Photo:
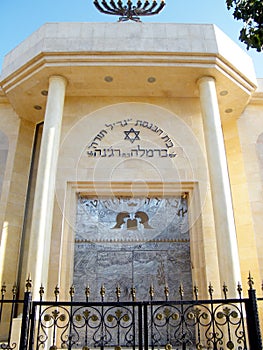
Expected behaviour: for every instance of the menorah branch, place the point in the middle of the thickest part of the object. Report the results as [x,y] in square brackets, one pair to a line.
[127,10]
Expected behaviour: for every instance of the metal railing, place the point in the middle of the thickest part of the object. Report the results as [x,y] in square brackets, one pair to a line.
[168,324]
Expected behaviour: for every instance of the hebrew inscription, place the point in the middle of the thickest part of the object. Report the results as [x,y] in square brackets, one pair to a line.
[135,152]
[113,219]
[132,132]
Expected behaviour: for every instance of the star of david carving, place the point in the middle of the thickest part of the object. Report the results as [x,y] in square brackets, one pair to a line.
[132,135]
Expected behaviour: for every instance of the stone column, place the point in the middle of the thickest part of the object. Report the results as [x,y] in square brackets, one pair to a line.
[41,227]
[227,249]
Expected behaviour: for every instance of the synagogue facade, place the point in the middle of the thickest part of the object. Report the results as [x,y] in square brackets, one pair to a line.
[131,154]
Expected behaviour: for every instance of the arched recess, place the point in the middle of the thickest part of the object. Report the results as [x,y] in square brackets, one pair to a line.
[4,145]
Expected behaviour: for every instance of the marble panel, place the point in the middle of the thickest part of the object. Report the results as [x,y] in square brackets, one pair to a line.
[112,250]
[131,219]
[85,262]
[114,269]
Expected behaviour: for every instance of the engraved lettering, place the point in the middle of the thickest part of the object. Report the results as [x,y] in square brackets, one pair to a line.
[163,152]
[138,122]
[149,153]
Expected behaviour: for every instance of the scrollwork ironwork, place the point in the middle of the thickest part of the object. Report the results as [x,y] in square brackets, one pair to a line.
[85,325]
[198,326]
[171,325]
[181,324]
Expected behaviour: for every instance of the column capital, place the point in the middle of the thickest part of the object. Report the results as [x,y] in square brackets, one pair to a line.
[60,78]
[205,79]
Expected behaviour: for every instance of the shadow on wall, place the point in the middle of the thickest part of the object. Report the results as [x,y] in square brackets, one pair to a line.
[3,157]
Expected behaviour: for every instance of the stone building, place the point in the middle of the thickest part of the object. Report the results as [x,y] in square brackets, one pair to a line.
[131,154]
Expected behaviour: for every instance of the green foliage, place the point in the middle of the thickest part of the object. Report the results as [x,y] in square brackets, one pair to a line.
[251,13]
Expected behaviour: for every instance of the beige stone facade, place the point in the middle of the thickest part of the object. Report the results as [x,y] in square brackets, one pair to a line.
[130,109]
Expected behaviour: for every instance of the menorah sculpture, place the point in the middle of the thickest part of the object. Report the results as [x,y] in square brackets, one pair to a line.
[129,11]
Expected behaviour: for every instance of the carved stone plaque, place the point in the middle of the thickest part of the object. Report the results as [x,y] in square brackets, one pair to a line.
[132,242]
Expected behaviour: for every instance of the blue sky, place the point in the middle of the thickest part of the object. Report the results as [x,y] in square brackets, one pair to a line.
[19,18]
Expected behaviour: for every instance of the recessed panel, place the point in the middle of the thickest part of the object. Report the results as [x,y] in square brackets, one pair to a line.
[132,242]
